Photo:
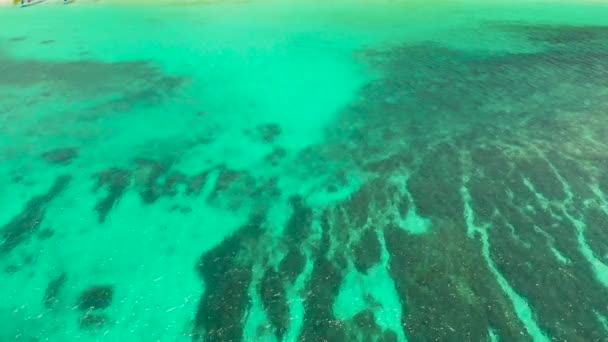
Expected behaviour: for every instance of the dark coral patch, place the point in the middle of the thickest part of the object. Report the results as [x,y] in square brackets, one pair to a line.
[446,288]
[74,77]
[389,164]
[403,206]
[597,235]
[227,277]
[267,133]
[525,236]
[11,269]
[363,327]
[116,182]
[542,177]
[557,34]
[298,225]
[53,289]
[292,264]
[367,251]
[357,206]
[46,234]
[27,222]
[274,299]
[233,188]
[435,184]
[268,189]
[96,297]
[173,181]
[365,320]
[319,320]
[60,156]
[573,173]
[147,179]
[273,284]
[389,336]
[155,179]
[323,286]
[521,264]
[275,157]
[520,144]
[226,178]
[195,183]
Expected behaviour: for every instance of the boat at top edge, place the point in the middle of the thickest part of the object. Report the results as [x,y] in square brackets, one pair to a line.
[27,3]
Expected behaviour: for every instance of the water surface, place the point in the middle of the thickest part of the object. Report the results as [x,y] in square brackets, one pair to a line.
[304,171]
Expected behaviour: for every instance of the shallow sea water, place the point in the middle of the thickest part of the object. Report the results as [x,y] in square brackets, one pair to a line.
[304,171]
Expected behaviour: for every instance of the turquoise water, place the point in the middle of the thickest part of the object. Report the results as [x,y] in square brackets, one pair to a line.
[304,171]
